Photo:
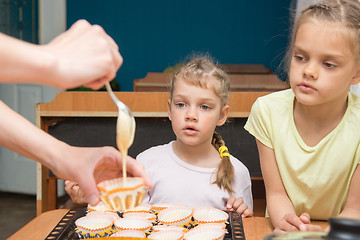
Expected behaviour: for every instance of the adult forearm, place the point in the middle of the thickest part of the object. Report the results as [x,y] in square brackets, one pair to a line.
[23,62]
[21,136]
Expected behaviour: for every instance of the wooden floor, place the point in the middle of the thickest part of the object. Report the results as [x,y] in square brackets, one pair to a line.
[16,210]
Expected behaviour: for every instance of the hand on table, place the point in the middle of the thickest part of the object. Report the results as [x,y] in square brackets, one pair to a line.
[292,223]
[238,205]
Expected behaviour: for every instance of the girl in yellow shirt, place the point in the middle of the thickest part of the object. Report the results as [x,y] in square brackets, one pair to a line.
[308,137]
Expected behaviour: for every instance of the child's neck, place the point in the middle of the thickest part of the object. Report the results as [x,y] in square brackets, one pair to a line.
[316,122]
[203,155]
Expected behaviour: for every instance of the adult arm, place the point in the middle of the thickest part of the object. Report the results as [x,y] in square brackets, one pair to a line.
[83,55]
[86,166]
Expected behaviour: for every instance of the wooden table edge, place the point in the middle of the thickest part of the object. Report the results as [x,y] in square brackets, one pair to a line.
[47,225]
[41,226]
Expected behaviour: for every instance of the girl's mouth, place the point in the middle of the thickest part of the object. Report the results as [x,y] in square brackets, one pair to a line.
[306,87]
[190,131]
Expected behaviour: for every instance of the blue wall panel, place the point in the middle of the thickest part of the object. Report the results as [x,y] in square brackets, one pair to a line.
[153,35]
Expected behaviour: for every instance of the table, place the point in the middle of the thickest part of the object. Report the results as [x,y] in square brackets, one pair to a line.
[40,227]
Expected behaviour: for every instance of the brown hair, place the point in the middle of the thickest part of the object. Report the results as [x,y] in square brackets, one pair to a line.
[346,12]
[198,71]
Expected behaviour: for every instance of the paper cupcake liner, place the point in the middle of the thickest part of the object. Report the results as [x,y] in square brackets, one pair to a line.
[210,215]
[168,235]
[140,215]
[132,224]
[208,234]
[82,235]
[161,206]
[177,216]
[119,196]
[143,207]
[99,207]
[129,234]
[96,214]
[159,228]
[212,225]
[92,227]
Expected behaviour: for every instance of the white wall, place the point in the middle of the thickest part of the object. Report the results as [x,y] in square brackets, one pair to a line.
[17,173]
[52,22]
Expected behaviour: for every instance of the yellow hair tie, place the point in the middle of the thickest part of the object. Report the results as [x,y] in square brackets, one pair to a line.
[222,149]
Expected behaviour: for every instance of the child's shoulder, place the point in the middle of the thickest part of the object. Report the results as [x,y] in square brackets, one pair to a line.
[354,99]
[287,94]
[354,104]
[274,101]
[239,167]
[154,151]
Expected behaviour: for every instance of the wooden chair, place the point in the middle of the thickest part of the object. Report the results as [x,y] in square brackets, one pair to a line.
[89,119]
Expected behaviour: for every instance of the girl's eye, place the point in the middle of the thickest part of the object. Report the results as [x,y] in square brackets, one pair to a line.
[329,65]
[180,105]
[205,107]
[299,58]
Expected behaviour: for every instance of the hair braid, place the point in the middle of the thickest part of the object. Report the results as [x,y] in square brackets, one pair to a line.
[225,170]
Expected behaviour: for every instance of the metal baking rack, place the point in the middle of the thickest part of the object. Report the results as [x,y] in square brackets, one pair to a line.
[65,229]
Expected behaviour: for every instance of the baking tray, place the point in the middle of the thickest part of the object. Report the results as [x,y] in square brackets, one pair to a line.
[65,229]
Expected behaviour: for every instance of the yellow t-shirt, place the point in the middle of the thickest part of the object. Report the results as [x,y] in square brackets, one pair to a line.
[316,178]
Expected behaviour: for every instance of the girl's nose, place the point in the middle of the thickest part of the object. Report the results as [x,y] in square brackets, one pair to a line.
[191,114]
[311,72]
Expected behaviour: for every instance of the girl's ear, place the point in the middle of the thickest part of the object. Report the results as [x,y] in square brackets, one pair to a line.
[169,109]
[356,78]
[223,115]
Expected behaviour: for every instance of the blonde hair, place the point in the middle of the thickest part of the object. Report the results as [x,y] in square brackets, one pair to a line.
[345,12]
[198,72]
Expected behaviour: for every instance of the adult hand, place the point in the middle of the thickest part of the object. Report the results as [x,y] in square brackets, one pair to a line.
[89,166]
[238,205]
[84,55]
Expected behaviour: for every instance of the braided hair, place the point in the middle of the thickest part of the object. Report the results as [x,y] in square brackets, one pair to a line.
[198,71]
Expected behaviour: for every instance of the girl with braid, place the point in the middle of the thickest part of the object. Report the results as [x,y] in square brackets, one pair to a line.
[196,169]
[308,136]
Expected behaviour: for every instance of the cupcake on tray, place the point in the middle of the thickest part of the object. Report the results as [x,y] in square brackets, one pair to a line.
[176,216]
[93,227]
[120,195]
